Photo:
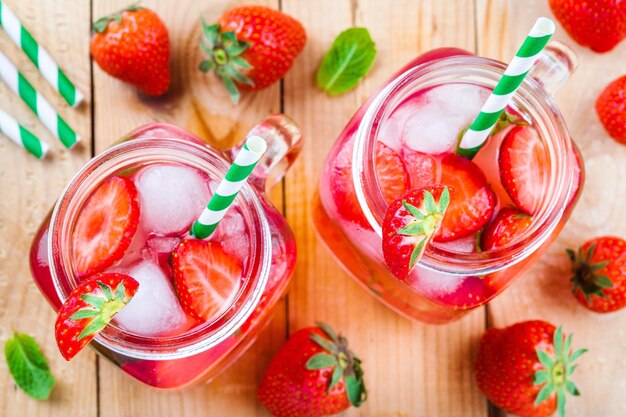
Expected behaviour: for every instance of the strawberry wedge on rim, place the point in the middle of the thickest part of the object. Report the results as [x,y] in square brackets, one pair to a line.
[409,225]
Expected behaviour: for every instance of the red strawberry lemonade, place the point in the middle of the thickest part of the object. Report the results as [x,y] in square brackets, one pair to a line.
[403,140]
[199,303]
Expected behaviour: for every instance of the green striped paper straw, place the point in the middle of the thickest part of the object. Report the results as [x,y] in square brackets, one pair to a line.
[37,103]
[22,136]
[227,190]
[474,138]
[39,56]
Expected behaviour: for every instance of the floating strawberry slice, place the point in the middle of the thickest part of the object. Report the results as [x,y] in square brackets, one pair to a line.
[509,223]
[391,173]
[105,227]
[409,224]
[421,167]
[89,308]
[206,278]
[471,199]
[523,164]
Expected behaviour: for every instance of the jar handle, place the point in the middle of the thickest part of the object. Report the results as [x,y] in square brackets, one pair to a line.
[284,142]
[554,66]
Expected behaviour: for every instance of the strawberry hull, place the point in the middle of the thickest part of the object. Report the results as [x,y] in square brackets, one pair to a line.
[419,115]
[157,356]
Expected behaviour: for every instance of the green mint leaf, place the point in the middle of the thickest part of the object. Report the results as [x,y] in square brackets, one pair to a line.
[347,61]
[321,361]
[28,366]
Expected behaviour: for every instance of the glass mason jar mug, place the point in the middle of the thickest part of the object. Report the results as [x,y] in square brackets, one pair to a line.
[166,358]
[421,111]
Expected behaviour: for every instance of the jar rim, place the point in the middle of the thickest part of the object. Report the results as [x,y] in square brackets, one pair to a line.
[530,96]
[203,157]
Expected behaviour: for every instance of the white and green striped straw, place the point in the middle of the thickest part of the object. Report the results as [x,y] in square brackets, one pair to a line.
[227,190]
[474,138]
[22,136]
[39,56]
[37,103]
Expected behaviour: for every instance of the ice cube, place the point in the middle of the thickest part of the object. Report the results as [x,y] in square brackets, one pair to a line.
[155,310]
[172,197]
[233,235]
[462,245]
[434,283]
[435,118]
[162,245]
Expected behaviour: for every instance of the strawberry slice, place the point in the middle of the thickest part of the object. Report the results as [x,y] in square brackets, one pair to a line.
[509,223]
[409,225]
[206,278]
[105,227]
[523,165]
[471,199]
[391,173]
[89,308]
[421,167]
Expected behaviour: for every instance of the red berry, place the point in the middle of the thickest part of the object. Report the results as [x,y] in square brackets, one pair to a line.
[105,226]
[507,226]
[264,46]
[598,24]
[409,225]
[471,199]
[523,165]
[134,46]
[599,267]
[89,308]
[524,369]
[314,374]
[611,109]
[206,278]
[390,172]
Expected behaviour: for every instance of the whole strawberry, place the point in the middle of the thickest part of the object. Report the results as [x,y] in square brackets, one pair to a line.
[599,267]
[611,109]
[313,374]
[133,45]
[598,24]
[525,368]
[251,47]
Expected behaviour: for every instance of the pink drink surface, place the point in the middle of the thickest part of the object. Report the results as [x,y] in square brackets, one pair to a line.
[170,198]
[423,131]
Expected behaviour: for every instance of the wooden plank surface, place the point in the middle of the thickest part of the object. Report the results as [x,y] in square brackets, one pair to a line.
[412,369]
[29,189]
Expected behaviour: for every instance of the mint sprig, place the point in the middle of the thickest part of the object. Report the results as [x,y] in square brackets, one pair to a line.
[347,61]
[28,366]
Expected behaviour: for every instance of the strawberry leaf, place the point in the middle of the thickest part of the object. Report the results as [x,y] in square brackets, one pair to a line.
[545,393]
[337,374]
[321,361]
[325,343]
[329,331]
[347,61]
[28,366]
[84,314]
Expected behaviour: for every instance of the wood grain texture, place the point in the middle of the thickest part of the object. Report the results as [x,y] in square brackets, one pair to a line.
[433,363]
[29,189]
[543,292]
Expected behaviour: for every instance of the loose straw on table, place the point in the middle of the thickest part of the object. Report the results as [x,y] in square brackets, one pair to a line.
[227,190]
[37,103]
[474,138]
[39,56]
[22,136]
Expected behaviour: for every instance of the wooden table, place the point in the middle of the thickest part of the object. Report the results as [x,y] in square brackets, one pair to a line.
[411,369]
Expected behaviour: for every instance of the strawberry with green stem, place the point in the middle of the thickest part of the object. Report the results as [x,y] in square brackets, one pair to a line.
[599,267]
[313,374]
[251,47]
[410,224]
[89,308]
[525,369]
